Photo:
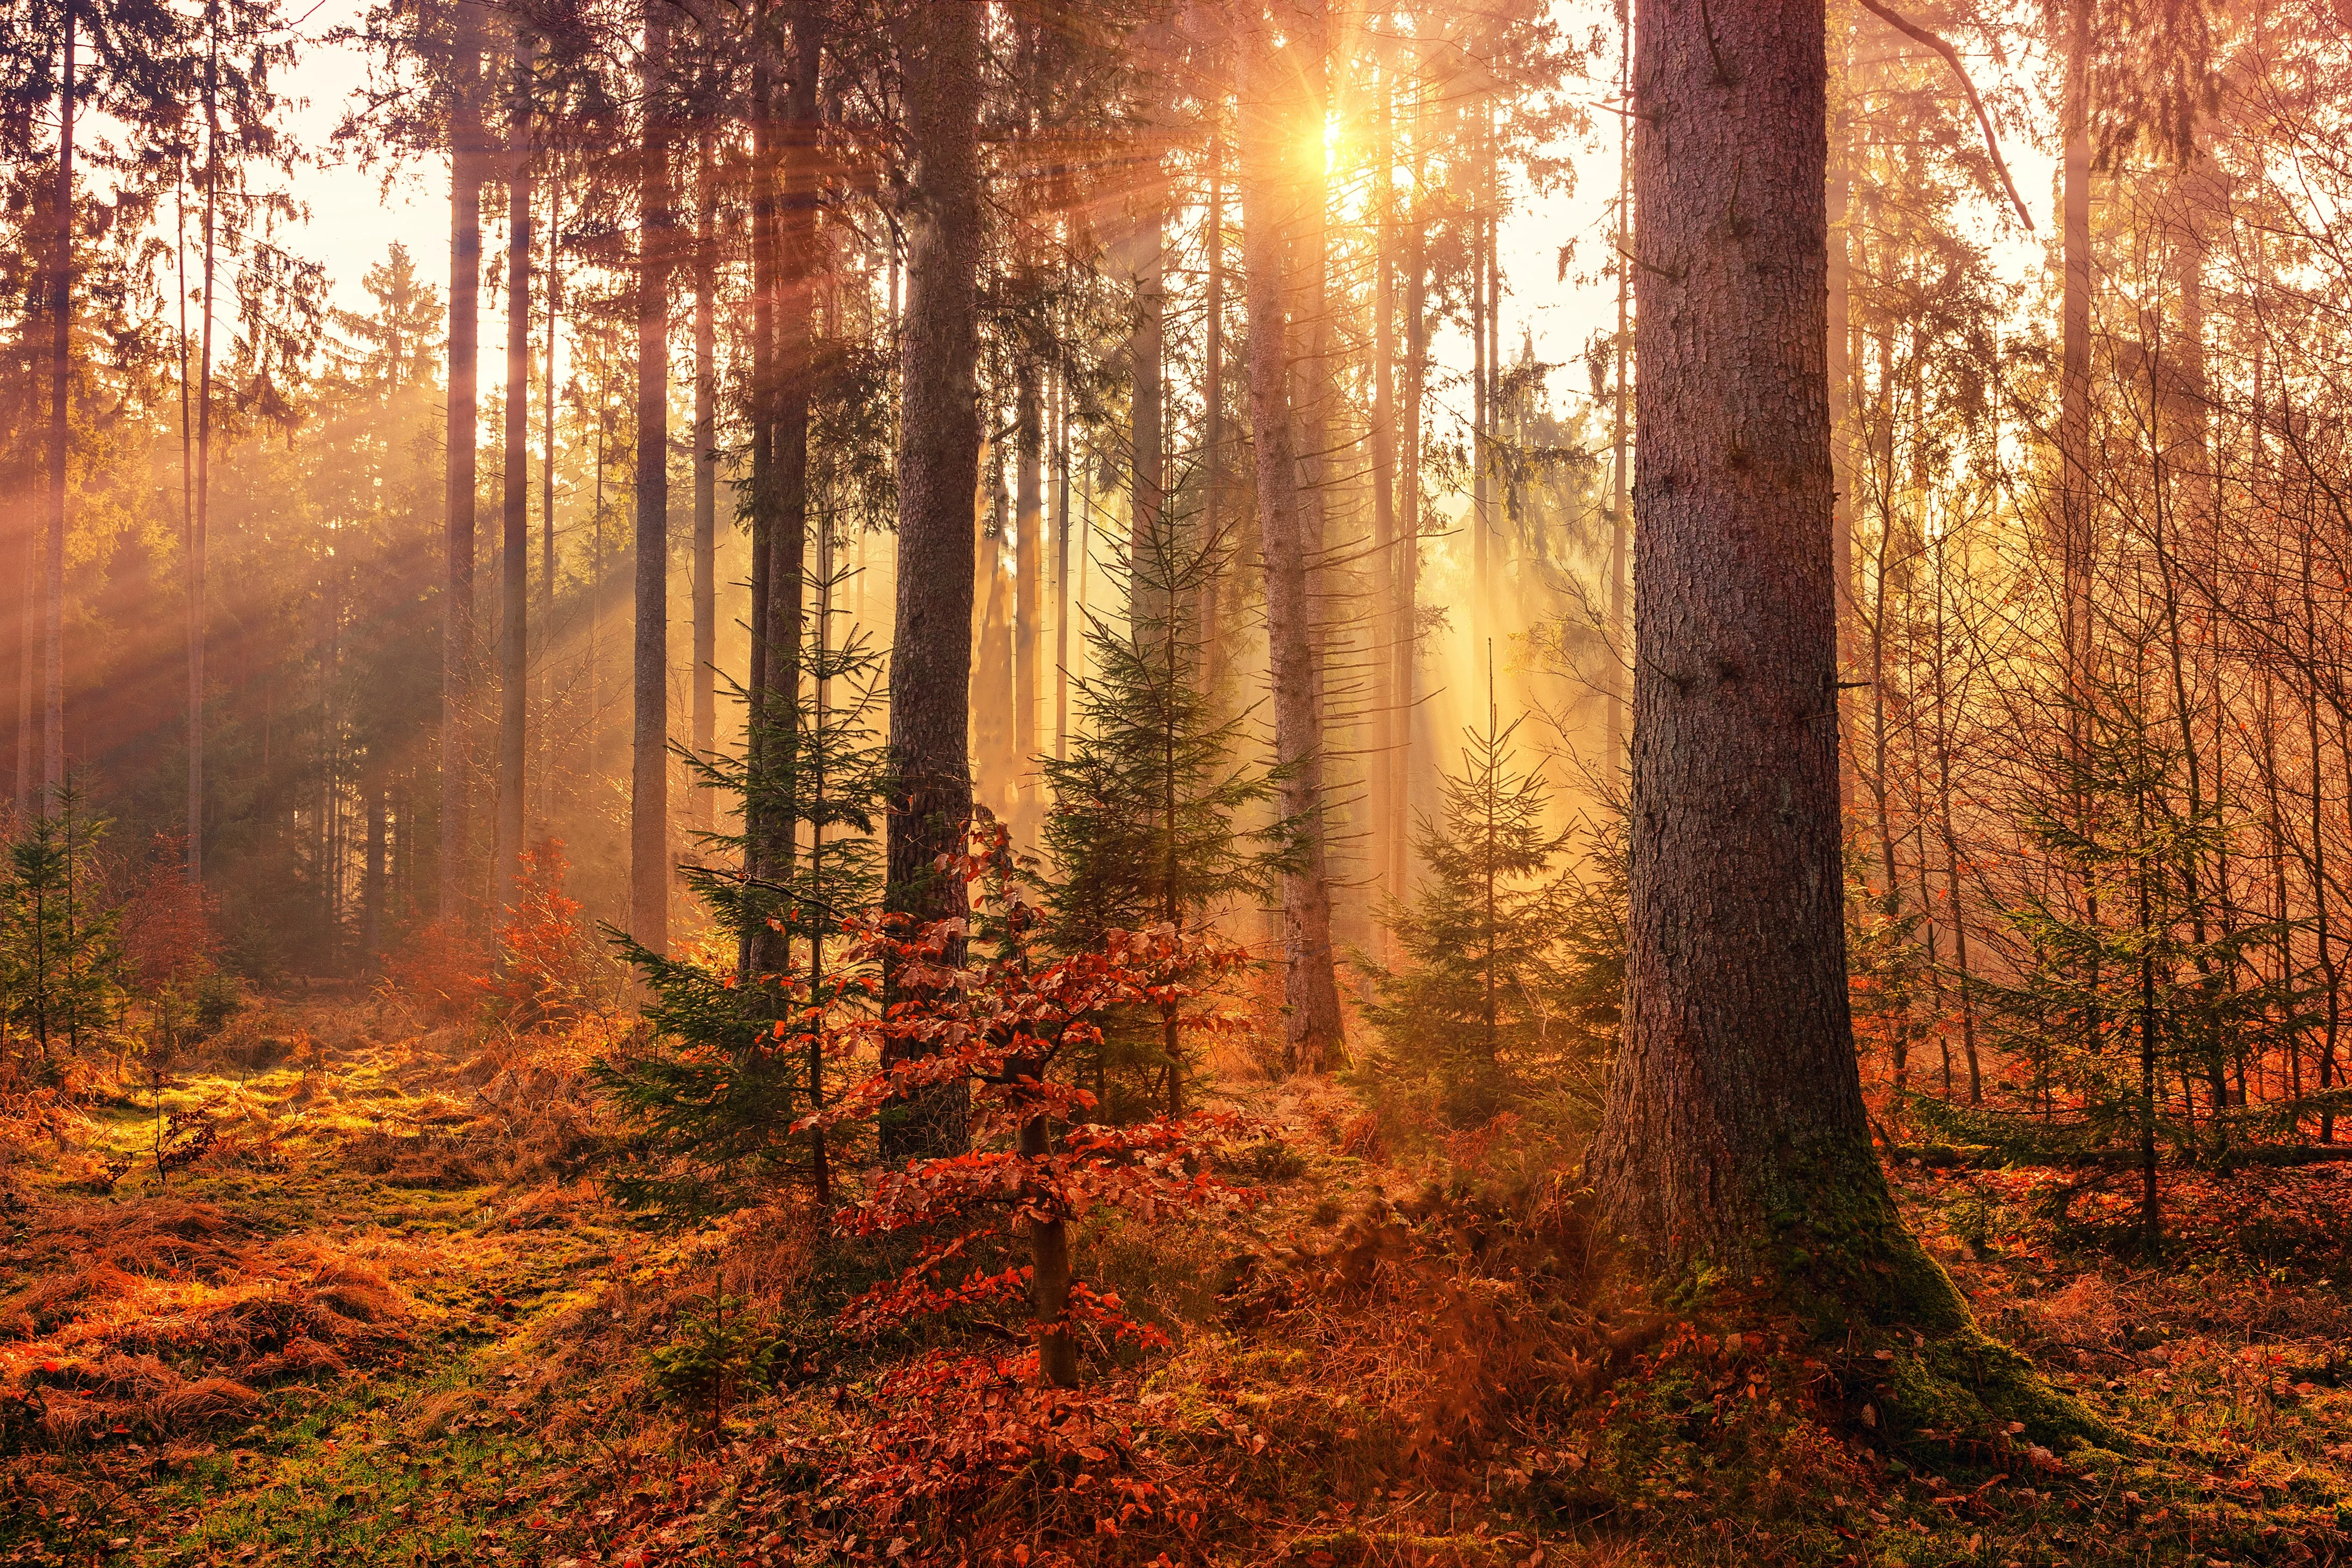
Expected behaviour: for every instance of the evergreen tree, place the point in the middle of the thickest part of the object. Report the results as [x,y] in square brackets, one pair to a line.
[1511,965]
[734,1062]
[1144,829]
[2128,976]
[61,959]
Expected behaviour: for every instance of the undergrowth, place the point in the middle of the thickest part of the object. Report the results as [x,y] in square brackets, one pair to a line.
[386,1315]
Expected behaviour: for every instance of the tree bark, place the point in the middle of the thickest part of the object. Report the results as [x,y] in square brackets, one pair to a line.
[939,472]
[1736,1101]
[466,158]
[514,555]
[650,858]
[1271,215]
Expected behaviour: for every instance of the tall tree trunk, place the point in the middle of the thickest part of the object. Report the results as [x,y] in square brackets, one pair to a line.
[786,501]
[1213,401]
[61,272]
[466,159]
[1275,209]
[514,630]
[1061,568]
[939,471]
[754,955]
[649,857]
[547,498]
[1736,1101]
[1408,607]
[2075,497]
[705,683]
[1028,521]
[1619,517]
[1394,715]
[199,518]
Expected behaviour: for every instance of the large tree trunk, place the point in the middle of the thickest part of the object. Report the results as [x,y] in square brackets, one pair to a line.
[939,471]
[515,544]
[466,157]
[1271,214]
[1735,1114]
[650,858]
[60,358]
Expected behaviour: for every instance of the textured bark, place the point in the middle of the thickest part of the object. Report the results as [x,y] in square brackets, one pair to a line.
[649,857]
[1736,1100]
[939,472]
[515,540]
[466,159]
[1271,215]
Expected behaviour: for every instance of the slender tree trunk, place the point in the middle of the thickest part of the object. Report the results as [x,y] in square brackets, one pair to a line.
[1621,404]
[1061,568]
[199,520]
[650,858]
[466,158]
[704,684]
[939,471]
[1408,605]
[1274,211]
[754,956]
[1028,521]
[61,274]
[1736,1101]
[1213,401]
[547,500]
[787,500]
[1394,715]
[2075,497]
[514,647]
[372,932]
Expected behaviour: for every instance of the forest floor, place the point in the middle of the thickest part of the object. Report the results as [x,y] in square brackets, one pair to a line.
[376,1309]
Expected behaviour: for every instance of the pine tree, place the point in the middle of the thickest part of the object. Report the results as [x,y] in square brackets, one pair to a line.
[60,960]
[733,1061]
[2127,975]
[1143,829]
[1509,970]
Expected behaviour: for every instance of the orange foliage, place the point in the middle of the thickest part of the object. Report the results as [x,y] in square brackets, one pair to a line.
[167,930]
[546,967]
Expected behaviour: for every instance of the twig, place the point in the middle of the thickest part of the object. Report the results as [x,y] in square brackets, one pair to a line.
[1911,29]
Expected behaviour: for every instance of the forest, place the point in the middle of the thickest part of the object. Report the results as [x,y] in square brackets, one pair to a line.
[1483,782]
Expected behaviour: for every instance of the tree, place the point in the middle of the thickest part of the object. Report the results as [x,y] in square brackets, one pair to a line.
[1488,999]
[1276,216]
[1142,828]
[1733,1145]
[649,847]
[468,166]
[939,471]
